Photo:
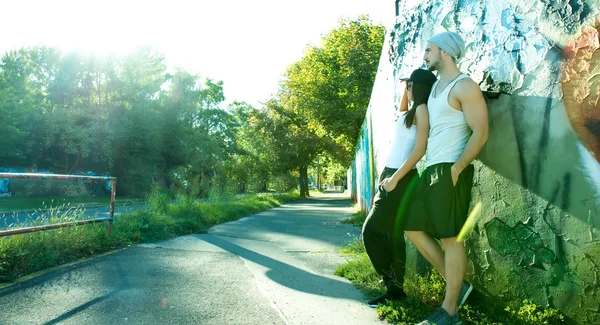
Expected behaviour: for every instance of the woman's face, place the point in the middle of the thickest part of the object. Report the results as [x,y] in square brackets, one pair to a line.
[409,86]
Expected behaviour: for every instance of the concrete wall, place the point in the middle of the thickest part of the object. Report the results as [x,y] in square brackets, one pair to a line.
[538,177]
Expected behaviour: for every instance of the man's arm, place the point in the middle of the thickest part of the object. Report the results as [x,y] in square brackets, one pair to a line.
[476,113]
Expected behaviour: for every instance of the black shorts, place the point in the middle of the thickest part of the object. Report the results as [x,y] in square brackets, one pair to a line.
[438,207]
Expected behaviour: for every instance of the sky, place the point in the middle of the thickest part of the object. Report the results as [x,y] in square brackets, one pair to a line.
[246,44]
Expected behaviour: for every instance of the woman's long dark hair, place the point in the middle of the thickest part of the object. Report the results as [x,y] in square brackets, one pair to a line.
[420,96]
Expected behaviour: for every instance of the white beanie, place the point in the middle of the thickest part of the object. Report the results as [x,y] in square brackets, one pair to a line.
[450,42]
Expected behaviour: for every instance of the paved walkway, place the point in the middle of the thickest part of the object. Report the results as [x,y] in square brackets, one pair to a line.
[274,267]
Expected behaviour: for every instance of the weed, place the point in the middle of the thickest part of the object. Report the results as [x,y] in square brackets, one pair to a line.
[426,293]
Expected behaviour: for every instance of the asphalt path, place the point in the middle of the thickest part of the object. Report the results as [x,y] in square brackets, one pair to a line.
[274,267]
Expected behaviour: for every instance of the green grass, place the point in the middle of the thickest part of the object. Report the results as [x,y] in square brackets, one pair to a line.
[425,294]
[353,249]
[36,203]
[357,218]
[28,253]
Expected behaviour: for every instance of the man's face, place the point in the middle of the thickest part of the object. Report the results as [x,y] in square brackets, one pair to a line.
[432,57]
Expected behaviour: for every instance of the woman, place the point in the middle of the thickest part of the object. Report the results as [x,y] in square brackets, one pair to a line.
[383,232]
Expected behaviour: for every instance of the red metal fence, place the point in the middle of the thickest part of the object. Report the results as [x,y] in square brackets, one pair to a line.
[113,184]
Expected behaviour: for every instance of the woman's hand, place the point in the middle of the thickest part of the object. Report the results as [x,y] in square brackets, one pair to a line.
[388,184]
[454,172]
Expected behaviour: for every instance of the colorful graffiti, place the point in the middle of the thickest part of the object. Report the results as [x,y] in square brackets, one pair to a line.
[580,83]
[363,170]
[538,177]
[377,131]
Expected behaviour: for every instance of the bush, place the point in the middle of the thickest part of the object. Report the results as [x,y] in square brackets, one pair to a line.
[158,200]
[283,183]
[221,193]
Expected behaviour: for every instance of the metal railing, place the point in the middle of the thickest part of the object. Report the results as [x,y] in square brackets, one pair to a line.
[113,185]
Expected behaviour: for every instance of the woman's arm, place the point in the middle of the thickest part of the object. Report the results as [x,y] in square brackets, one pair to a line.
[404,101]
[416,154]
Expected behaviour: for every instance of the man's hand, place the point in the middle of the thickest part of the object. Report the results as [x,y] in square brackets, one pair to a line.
[455,172]
[388,184]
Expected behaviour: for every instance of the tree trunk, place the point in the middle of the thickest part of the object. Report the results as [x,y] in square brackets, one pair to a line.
[318,173]
[304,181]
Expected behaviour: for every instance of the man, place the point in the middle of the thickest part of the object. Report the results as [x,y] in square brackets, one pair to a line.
[458,130]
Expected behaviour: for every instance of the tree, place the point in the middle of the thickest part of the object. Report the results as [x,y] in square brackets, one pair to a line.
[252,165]
[331,85]
[294,145]
[73,112]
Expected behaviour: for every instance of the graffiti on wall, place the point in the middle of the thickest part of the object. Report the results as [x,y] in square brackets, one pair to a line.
[539,181]
[376,134]
[580,83]
[364,170]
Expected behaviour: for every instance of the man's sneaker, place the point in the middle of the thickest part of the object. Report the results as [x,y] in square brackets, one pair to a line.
[465,291]
[441,317]
[386,296]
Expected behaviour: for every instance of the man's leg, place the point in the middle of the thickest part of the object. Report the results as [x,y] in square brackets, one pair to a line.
[456,266]
[429,248]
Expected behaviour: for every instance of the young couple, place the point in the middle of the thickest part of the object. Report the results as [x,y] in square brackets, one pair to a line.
[448,122]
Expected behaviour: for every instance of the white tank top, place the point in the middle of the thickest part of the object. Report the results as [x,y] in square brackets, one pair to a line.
[448,128]
[403,143]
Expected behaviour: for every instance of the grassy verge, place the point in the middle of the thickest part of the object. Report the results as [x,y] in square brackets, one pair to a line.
[357,218]
[425,294]
[35,203]
[28,253]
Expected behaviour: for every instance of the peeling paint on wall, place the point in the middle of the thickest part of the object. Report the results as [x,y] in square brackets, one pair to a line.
[538,176]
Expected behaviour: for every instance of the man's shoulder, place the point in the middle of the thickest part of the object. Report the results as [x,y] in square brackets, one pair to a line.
[466,80]
[466,85]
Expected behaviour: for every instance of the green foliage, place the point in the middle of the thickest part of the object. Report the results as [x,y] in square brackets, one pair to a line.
[355,248]
[68,112]
[28,253]
[45,188]
[426,293]
[330,87]
[359,270]
[530,313]
[320,107]
[284,182]
[158,200]
[45,203]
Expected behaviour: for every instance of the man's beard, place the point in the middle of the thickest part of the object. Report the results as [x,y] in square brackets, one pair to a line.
[433,66]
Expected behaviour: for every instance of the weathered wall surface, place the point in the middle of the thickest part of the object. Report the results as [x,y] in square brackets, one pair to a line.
[538,177]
